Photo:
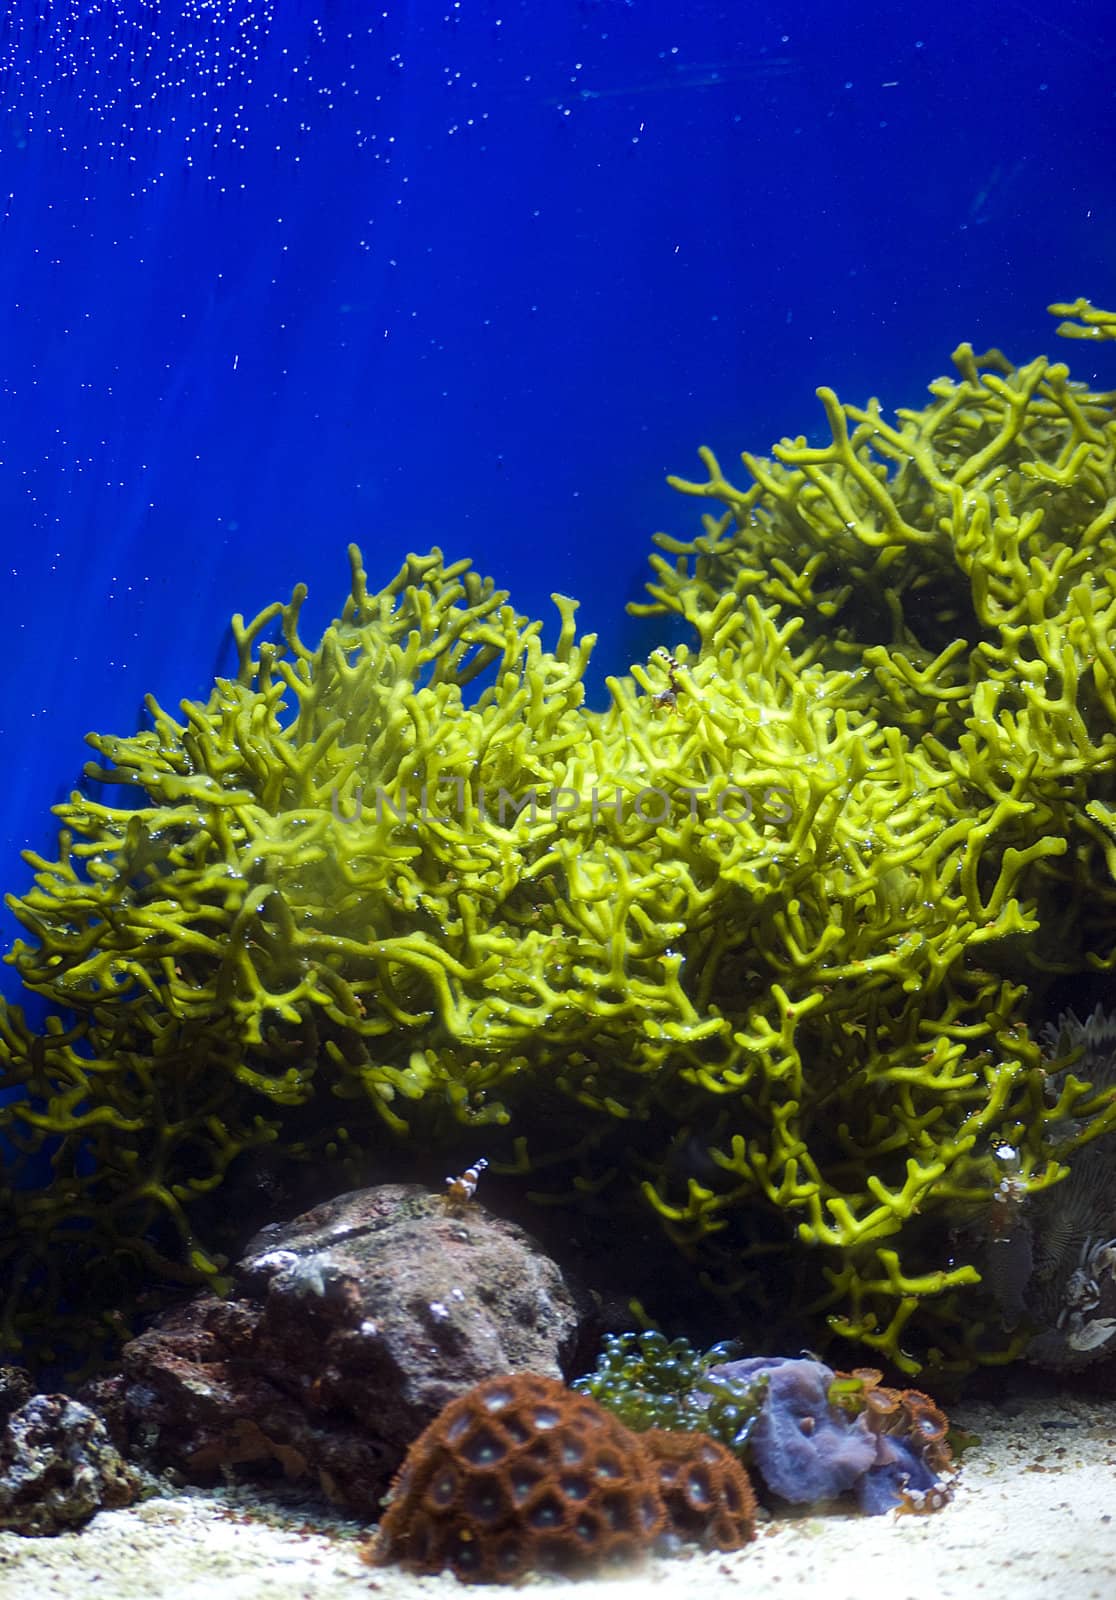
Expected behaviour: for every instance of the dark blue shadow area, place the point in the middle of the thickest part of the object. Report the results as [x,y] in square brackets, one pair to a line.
[478,275]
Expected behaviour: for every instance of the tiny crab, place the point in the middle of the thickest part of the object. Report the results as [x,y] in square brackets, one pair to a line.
[924,1502]
[465,1187]
[1083,1293]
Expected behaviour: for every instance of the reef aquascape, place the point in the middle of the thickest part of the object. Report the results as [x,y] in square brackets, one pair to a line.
[761,950]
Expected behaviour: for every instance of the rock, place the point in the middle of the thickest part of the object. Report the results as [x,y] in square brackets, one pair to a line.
[194,1397]
[15,1389]
[58,1466]
[349,1329]
[1062,1246]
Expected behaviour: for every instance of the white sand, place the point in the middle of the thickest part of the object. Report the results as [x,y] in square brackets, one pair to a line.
[1034,1516]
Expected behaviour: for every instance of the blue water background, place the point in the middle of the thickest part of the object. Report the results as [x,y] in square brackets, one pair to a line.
[278,276]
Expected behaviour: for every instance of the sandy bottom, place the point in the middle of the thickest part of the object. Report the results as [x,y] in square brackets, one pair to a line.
[1033,1516]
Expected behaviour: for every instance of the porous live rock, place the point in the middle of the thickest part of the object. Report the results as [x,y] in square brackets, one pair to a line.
[347,1332]
[58,1466]
[15,1389]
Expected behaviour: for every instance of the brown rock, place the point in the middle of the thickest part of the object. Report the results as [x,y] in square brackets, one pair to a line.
[351,1328]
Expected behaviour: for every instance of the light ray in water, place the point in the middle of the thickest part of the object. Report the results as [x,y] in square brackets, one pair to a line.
[689,75]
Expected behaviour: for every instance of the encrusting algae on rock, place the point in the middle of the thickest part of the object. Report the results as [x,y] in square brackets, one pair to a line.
[762,950]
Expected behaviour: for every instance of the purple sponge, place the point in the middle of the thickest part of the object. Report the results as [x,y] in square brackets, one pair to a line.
[804,1448]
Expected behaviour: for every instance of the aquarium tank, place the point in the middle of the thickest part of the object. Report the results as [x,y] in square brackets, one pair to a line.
[560,562]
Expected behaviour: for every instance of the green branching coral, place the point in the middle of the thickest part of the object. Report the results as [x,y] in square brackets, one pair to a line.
[959,563]
[1084,321]
[273,917]
[753,952]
